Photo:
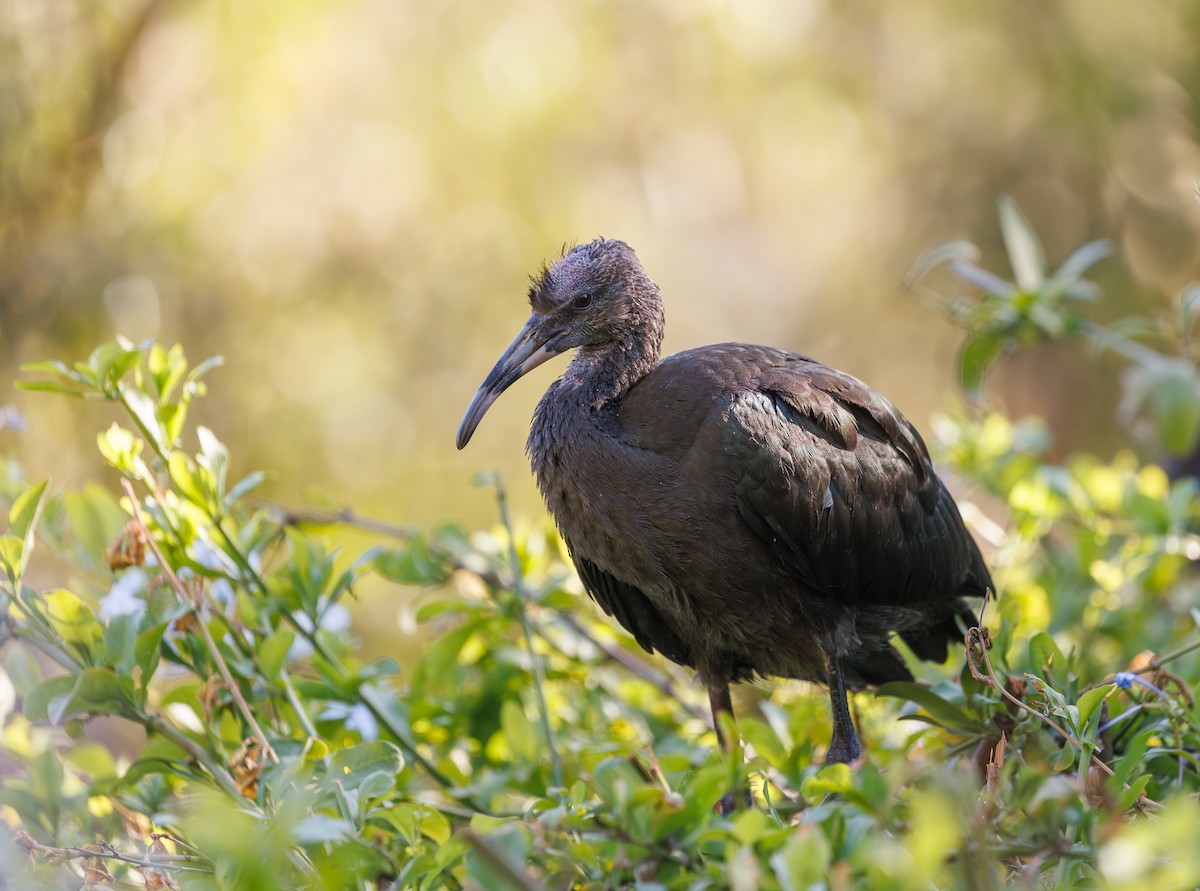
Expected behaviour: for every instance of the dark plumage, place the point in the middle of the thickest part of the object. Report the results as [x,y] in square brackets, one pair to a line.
[740,509]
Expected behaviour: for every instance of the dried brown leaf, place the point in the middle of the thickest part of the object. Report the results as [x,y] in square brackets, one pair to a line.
[129,549]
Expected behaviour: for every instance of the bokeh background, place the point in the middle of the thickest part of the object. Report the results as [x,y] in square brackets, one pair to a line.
[345,200]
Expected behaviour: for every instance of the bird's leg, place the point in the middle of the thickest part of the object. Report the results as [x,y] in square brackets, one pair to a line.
[843,748]
[722,704]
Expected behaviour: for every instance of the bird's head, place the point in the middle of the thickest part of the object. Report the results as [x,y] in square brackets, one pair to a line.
[595,297]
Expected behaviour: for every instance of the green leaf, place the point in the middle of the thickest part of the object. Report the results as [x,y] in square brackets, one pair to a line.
[172,415]
[37,700]
[1044,652]
[947,713]
[616,780]
[53,387]
[94,759]
[22,669]
[144,413]
[750,825]
[188,480]
[506,846]
[94,519]
[243,487]
[99,691]
[832,779]
[22,519]
[148,649]
[320,828]
[12,558]
[352,765]
[1175,406]
[410,564]
[121,449]
[120,643]
[122,363]
[803,862]
[51,366]
[1128,797]
[1080,260]
[1024,249]
[273,651]
[73,620]
[167,368]
[524,741]
[1089,703]
[204,367]
[1062,759]
[979,352]
[1131,758]
[214,457]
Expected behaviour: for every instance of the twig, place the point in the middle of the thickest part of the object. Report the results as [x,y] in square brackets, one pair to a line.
[181,589]
[659,680]
[216,770]
[174,862]
[539,678]
[499,863]
[978,637]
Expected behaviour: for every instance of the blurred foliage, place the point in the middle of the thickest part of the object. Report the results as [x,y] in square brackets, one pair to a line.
[345,198]
[339,197]
[532,746]
[1161,381]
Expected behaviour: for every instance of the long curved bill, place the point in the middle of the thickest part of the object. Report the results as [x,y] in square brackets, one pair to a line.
[522,355]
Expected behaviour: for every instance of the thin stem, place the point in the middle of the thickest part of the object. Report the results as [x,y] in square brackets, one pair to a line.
[977,637]
[498,862]
[217,771]
[55,653]
[231,685]
[661,680]
[297,706]
[539,679]
[172,862]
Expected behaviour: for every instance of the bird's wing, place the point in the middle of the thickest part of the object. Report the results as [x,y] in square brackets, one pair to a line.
[637,615]
[841,487]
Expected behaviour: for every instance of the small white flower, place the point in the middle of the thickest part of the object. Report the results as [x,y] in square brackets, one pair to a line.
[334,619]
[124,597]
[355,717]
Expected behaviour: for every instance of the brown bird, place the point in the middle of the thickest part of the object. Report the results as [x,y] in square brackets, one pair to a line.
[741,510]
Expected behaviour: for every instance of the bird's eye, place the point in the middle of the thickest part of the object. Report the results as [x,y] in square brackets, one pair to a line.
[584,300]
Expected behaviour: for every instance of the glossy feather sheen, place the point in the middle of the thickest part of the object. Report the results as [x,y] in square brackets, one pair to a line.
[739,509]
[745,510]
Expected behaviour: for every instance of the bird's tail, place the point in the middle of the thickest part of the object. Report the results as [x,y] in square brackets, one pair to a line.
[931,642]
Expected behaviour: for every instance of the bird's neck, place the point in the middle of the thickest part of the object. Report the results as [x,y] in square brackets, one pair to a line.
[600,377]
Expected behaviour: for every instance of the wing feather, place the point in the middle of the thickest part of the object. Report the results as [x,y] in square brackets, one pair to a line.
[842,488]
[634,611]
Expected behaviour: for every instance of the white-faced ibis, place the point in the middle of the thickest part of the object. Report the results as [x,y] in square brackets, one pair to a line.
[740,509]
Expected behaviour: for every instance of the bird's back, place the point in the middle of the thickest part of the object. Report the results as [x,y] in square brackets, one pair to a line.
[815,486]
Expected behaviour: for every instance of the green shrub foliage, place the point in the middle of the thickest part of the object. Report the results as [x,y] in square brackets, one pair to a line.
[532,745]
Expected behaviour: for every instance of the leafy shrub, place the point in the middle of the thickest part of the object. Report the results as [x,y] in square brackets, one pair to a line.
[532,745]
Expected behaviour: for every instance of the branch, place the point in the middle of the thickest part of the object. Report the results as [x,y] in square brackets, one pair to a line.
[174,862]
[660,680]
[498,862]
[539,678]
[231,685]
[978,638]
